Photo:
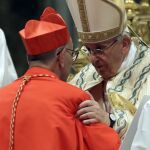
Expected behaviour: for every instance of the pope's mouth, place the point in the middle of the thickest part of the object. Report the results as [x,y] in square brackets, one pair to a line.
[100,67]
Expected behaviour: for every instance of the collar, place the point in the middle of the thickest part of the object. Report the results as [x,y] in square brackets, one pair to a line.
[39,70]
[128,61]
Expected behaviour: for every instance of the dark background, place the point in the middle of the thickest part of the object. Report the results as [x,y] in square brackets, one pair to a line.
[13,16]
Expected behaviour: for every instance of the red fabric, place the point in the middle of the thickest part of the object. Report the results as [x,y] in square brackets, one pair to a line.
[46,119]
[46,34]
[50,15]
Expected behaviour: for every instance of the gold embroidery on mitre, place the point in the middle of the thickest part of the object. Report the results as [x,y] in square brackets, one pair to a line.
[119,102]
[83,15]
[89,37]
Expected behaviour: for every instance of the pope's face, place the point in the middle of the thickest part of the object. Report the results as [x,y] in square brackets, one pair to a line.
[107,57]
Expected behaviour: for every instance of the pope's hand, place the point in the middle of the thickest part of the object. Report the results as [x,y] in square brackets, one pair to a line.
[90,112]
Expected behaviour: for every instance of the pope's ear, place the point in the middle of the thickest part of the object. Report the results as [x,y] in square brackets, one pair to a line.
[126,42]
[60,58]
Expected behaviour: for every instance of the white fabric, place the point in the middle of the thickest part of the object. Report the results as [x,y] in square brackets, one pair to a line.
[7,70]
[141,140]
[135,129]
[128,61]
[102,15]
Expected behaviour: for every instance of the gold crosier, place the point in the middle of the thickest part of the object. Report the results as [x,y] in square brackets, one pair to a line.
[26,79]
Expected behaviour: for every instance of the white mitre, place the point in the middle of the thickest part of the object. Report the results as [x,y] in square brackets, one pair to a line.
[98,20]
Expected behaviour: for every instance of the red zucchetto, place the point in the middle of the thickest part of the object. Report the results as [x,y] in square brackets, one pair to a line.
[45,35]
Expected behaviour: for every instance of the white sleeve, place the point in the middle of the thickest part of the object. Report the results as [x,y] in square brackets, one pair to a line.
[141,139]
[7,70]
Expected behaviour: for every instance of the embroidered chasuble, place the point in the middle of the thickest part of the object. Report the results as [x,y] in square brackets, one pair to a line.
[125,90]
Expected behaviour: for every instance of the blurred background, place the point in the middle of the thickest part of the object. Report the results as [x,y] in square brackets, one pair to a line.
[15,13]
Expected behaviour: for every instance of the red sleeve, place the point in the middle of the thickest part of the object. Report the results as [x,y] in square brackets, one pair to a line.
[97,137]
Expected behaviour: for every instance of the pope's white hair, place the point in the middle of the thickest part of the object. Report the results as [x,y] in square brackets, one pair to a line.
[126,32]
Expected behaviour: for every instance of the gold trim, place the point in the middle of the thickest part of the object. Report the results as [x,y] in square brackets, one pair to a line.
[119,102]
[88,37]
[83,15]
